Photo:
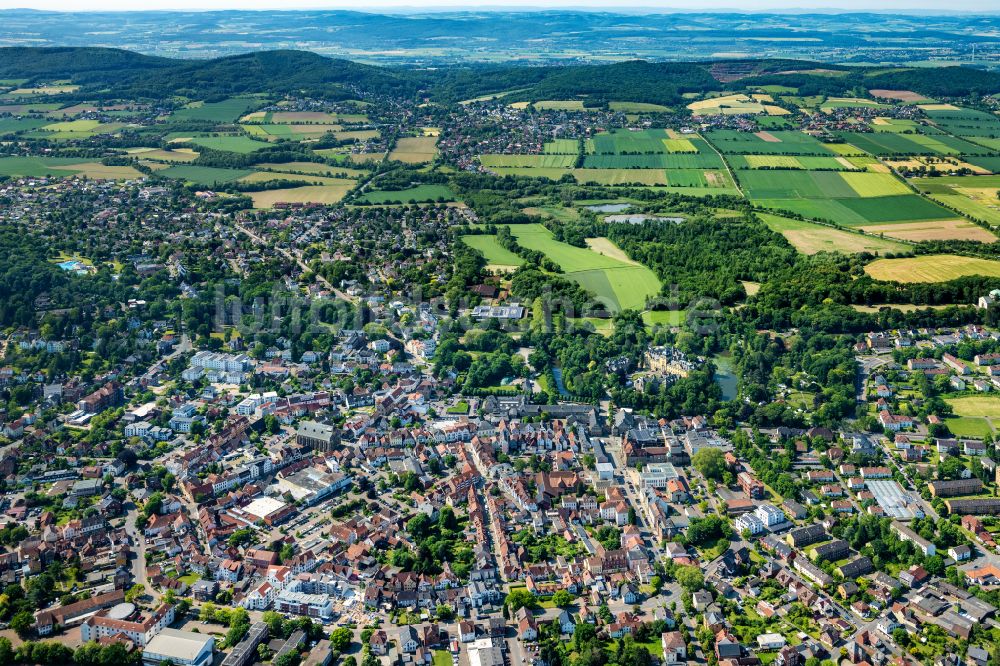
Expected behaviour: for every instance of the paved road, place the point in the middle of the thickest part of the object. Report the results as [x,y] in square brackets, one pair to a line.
[139,540]
[292,257]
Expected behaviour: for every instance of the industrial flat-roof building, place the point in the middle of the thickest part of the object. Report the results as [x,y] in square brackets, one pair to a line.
[183,648]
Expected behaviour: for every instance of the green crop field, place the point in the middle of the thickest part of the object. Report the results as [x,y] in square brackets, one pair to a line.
[888,144]
[35,167]
[931,268]
[804,162]
[969,426]
[627,141]
[974,196]
[418,194]
[231,144]
[965,122]
[680,146]
[528,161]
[654,161]
[226,111]
[638,107]
[809,238]
[778,142]
[621,176]
[618,283]
[495,254]
[559,105]
[796,185]
[816,209]
[903,208]
[561,147]
[202,175]
[992,163]
[14,125]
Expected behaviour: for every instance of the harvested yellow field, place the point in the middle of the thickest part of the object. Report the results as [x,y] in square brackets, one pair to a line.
[762,97]
[900,95]
[715,179]
[268,176]
[559,105]
[773,110]
[874,184]
[45,90]
[938,107]
[845,149]
[728,104]
[414,149]
[932,231]
[302,117]
[319,194]
[179,155]
[98,171]
[679,146]
[605,246]
[773,162]
[931,268]
[362,158]
[356,135]
[311,167]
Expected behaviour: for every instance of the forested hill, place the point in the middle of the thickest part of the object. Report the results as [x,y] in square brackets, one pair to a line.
[110,72]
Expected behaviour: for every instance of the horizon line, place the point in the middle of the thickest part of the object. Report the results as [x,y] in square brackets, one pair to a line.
[391,9]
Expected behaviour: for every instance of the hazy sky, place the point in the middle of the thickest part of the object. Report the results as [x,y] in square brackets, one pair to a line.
[410,5]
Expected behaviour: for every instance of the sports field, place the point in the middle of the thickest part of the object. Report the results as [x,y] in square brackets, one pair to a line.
[976,405]
[810,238]
[931,268]
[616,283]
[969,426]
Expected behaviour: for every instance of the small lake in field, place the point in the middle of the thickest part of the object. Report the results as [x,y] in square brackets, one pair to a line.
[639,218]
[609,208]
[725,376]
